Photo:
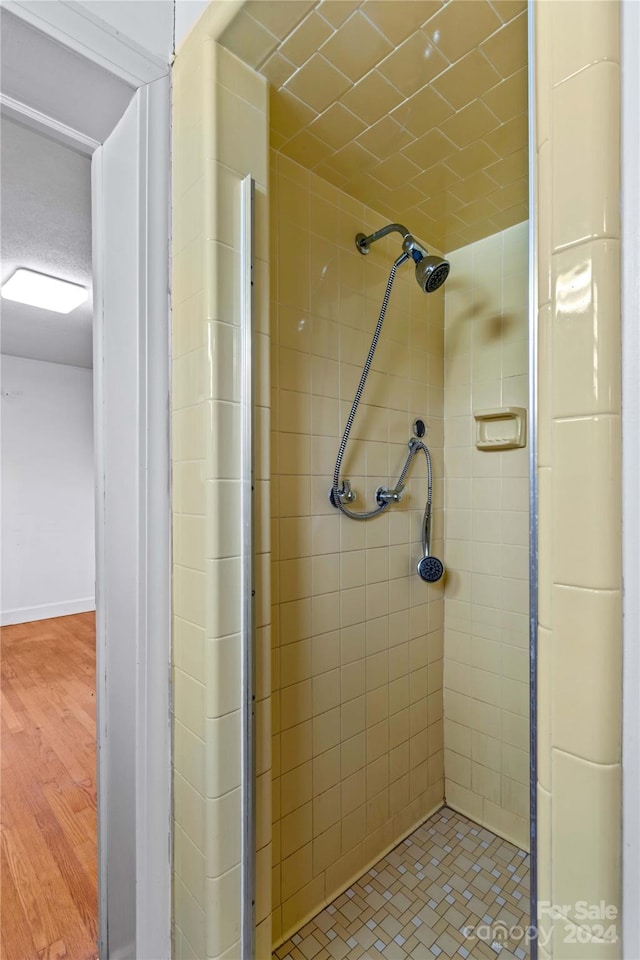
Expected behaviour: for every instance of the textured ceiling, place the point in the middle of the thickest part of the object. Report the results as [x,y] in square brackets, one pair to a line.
[46,226]
[416,107]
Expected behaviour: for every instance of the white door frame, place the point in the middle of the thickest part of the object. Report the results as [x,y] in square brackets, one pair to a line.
[130,192]
[133,506]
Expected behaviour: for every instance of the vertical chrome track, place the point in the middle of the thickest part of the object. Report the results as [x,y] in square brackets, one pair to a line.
[533,486]
[248,573]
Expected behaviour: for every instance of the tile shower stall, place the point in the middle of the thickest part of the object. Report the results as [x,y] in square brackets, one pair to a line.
[373,723]
[392,754]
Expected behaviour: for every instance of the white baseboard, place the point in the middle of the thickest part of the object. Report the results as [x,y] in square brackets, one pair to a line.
[46,611]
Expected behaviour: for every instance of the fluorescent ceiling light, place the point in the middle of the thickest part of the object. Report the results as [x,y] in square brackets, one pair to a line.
[40,290]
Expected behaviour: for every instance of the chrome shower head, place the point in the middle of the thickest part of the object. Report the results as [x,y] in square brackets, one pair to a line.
[430,569]
[431,273]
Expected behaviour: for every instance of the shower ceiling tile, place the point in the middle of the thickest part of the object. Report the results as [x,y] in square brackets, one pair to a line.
[279,16]
[364,186]
[306,149]
[439,206]
[276,140]
[513,193]
[436,131]
[511,216]
[414,63]
[407,196]
[352,157]
[471,123]
[435,180]
[460,27]
[337,11]
[395,171]
[475,157]
[503,48]
[287,114]
[476,186]
[356,48]
[337,126]
[384,138]
[372,98]
[507,9]
[423,111]
[277,69]
[331,175]
[513,167]
[511,136]
[306,39]
[400,18]
[318,83]
[506,99]
[429,148]
[477,210]
[466,80]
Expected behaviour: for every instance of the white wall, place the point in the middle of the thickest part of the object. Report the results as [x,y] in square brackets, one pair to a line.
[186,14]
[47,493]
[148,23]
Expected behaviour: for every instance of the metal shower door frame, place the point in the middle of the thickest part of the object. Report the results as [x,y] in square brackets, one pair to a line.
[533,486]
[247,506]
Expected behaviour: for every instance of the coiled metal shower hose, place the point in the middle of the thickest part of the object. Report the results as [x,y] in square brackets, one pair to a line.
[336,492]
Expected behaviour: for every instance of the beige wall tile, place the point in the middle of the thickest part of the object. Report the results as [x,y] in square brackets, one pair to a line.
[346,628]
[486,536]
[248,39]
[580,213]
[579,870]
[594,37]
[587,472]
[577,54]
[300,495]
[587,620]
[586,363]
[206,373]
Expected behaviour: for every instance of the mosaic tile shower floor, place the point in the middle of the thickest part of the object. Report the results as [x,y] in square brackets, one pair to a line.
[451,889]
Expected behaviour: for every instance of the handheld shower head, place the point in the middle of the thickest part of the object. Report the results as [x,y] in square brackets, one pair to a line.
[430,569]
[431,273]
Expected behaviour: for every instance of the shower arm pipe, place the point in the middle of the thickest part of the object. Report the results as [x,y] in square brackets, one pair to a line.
[365,242]
[409,243]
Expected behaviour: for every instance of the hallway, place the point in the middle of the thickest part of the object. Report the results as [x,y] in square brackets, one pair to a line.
[49,840]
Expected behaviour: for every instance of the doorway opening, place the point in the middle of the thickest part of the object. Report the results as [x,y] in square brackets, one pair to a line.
[48,650]
[109,102]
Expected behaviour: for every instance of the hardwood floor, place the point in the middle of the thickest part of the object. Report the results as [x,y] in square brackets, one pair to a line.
[48,790]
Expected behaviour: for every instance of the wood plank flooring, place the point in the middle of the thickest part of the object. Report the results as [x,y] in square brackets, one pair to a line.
[48,790]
